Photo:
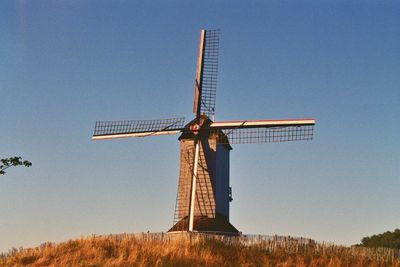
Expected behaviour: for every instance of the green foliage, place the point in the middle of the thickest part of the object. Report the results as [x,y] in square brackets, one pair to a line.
[387,239]
[12,162]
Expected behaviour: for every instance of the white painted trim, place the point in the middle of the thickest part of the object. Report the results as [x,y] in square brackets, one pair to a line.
[193,188]
[142,134]
[261,123]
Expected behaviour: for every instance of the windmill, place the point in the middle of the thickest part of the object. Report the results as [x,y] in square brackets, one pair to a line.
[204,192]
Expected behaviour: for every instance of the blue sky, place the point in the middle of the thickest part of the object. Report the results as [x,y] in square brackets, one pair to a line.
[66,64]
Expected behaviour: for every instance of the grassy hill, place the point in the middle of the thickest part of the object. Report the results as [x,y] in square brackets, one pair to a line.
[195,250]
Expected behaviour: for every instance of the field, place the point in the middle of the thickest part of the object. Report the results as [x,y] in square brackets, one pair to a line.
[196,250]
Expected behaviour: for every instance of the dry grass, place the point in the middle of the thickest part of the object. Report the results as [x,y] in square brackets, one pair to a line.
[162,250]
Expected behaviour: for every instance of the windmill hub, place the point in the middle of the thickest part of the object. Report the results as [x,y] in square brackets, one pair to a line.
[204,192]
[195,128]
[201,123]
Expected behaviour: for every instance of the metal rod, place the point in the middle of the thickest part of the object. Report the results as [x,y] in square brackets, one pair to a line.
[193,187]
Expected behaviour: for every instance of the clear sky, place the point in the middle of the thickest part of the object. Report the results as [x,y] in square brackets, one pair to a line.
[66,64]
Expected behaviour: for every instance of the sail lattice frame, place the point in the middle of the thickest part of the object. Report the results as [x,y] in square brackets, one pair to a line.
[209,73]
[264,134]
[104,128]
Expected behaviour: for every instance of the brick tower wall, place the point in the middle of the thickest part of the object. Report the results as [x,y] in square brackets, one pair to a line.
[222,181]
[212,186]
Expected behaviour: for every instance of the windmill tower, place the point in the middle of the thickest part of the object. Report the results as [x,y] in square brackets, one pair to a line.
[204,192]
